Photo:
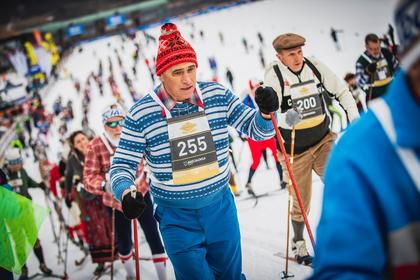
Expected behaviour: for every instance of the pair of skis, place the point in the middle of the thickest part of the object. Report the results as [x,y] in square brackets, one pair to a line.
[256,197]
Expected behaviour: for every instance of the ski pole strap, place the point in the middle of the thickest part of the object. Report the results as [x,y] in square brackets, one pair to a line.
[407,156]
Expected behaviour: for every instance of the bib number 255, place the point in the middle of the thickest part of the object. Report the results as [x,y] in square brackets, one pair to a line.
[192,146]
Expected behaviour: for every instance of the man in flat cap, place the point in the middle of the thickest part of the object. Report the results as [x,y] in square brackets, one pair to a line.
[303,86]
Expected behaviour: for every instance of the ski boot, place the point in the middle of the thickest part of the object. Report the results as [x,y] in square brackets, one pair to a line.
[99,269]
[249,189]
[283,185]
[44,269]
[301,253]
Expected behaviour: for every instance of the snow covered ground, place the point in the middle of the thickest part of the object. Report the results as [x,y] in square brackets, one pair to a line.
[263,227]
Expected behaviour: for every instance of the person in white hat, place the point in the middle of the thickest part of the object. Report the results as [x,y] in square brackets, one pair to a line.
[99,154]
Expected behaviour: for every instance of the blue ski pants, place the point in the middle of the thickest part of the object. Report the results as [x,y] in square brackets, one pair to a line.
[203,243]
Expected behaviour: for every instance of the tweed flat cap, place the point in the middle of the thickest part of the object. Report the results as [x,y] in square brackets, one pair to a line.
[288,41]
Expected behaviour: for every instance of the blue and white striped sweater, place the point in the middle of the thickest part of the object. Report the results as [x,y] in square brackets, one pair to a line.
[145,134]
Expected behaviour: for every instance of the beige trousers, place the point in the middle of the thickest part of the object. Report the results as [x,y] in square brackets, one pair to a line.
[303,164]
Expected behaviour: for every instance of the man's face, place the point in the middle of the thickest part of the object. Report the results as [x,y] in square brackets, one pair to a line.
[374,49]
[179,80]
[115,132]
[292,58]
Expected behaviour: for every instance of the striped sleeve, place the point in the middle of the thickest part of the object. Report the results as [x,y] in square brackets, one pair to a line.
[128,155]
[362,78]
[247,120]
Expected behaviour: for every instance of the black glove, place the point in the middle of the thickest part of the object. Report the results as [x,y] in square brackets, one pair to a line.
[267,100]
[42,186]
[371,68]
[133,207]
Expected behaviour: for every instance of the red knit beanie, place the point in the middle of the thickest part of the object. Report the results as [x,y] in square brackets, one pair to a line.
[173,49]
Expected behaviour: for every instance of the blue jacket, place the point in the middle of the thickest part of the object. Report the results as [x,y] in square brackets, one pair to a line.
[370,222]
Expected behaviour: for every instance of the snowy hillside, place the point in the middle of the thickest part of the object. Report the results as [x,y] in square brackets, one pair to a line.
[263,227]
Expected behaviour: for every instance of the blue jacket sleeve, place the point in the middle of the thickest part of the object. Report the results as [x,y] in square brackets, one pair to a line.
[128,155]
[247,120]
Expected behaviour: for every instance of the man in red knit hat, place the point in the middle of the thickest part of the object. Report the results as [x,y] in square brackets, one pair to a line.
[181,130]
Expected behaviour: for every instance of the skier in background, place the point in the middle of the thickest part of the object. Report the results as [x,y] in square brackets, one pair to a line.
[257,147]
[229,76]
[99,155]
[334,37]
[20,182]
[375,68]
[96,219]
[358,94]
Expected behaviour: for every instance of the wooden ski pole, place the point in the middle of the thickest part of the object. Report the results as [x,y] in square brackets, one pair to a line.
[289,201]
[292,178]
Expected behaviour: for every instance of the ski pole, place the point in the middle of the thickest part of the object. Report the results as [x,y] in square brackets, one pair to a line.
[53,227]
[292,152]
[292,178]
[113,242]
[136,249]
[67,246]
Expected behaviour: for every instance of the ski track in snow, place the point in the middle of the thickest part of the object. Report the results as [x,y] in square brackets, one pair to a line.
[263,228]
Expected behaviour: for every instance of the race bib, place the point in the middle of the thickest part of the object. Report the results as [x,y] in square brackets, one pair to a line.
[306,98]
[193,151]
[382,75]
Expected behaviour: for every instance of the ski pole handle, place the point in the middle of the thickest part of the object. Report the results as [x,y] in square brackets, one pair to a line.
[292,177]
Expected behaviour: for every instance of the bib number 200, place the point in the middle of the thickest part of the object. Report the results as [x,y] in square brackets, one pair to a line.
[191,146]
[306,103]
